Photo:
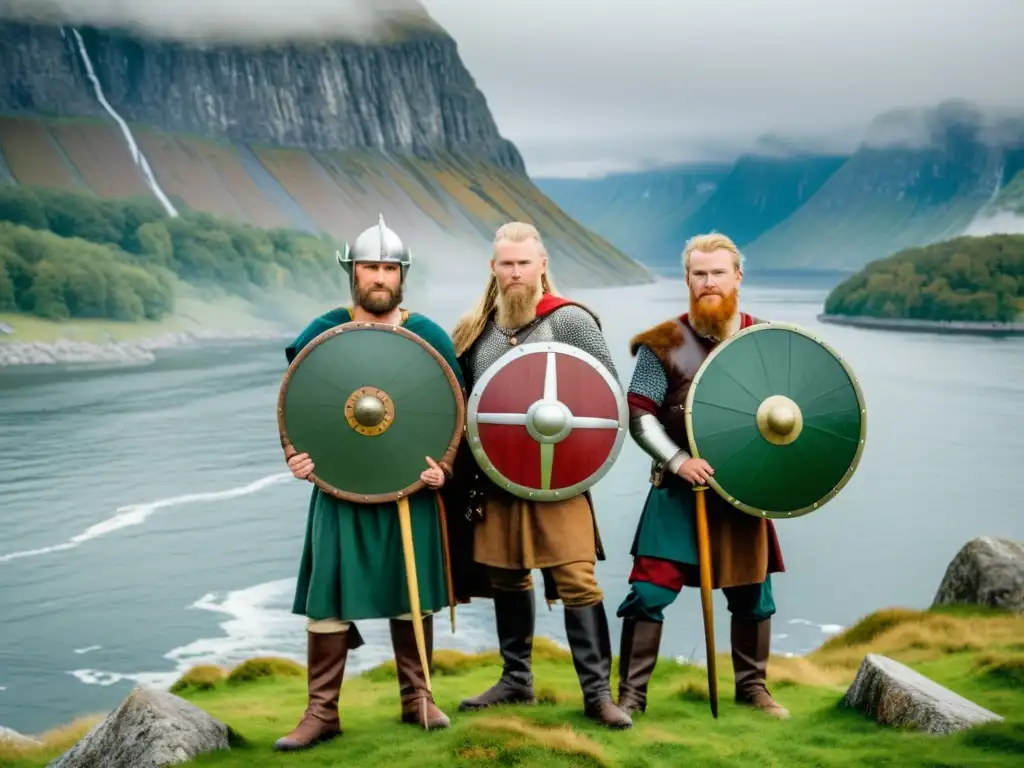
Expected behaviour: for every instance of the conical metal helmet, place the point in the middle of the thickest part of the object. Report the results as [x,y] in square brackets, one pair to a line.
[377,243]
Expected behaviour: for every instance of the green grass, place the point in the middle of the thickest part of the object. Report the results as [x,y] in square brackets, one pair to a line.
[977,653]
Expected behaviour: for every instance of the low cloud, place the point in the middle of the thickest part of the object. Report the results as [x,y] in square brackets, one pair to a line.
[632,80]
[1004,223]
[241,21]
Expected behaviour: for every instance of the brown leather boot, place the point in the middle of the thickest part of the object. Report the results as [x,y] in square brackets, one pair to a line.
[326,654]
[638,655]
[418,707]
[751,645]
[587,630]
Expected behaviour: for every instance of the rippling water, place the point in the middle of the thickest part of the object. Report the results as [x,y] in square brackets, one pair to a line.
[149,523]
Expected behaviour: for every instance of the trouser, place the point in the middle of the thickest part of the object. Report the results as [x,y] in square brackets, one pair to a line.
[330,626]
[576,582]
[648,602]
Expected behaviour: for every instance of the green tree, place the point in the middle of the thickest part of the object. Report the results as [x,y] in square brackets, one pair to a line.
[46,296]
[7,300]
[967,278]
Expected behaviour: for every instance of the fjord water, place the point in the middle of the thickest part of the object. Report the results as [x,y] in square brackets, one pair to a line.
[148,522]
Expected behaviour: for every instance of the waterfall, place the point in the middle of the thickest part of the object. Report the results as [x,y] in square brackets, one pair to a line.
[140,159]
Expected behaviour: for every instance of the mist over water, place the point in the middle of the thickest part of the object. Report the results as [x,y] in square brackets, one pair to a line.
[149,521]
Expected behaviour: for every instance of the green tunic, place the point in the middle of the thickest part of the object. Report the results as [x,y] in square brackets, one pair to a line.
[353,566]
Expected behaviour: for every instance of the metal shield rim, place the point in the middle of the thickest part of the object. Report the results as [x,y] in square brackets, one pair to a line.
[487,466]
[460,408]
[688,415]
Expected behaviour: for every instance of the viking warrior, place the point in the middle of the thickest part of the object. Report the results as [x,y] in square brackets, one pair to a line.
[502,537]
[744,549]
[352,559]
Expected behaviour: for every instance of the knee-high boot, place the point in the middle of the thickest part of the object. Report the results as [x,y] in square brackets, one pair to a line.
[751,646]
[638,655]
[417,701]
[587,630]
[515,615]
[326,656]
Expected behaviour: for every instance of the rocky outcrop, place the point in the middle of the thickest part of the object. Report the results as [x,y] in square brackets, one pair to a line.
[986,571]
[136,352]
[150,729]
[412,96]
[893,694]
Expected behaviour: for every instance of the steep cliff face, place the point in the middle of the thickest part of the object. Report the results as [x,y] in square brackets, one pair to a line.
[318,136]
[409,96]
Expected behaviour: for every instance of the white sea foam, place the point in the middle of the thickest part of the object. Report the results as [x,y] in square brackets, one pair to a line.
[826,629]
[137,514]
[259,622]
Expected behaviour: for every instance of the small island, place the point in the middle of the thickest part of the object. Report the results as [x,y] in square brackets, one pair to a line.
[964,285]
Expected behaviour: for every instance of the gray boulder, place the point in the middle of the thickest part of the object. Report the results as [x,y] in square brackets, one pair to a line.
[894,694]
[986,571]
[150,729]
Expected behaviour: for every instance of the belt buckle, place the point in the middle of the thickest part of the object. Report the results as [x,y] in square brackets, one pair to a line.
[657,474]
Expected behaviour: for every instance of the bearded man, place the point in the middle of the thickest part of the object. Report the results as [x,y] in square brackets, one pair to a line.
[744,550]
[502,537]
[352,563]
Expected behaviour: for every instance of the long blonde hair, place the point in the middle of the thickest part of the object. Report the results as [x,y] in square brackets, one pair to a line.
[472,324]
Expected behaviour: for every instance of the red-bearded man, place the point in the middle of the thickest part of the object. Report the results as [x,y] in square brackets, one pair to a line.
[744,550]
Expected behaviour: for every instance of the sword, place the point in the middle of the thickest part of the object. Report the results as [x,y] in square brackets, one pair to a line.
[405,522]
[704,558]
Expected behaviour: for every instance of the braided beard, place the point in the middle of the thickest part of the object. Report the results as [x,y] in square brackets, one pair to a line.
[710,317]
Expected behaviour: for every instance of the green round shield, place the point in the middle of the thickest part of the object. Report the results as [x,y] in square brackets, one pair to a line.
[780,417]
[368,402]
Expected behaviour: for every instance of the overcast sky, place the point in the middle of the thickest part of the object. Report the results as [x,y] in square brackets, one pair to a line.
[587,86]
[584,86]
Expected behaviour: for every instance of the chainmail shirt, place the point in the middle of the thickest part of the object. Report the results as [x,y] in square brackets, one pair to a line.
[568,325]
[649,378]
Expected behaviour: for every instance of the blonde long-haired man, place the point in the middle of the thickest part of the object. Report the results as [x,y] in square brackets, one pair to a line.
[503,537]
[744,550]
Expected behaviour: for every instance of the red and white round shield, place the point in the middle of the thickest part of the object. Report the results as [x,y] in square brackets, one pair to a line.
[546,421]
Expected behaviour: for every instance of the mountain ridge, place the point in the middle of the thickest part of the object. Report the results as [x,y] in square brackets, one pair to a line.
[317,136]
[919,176]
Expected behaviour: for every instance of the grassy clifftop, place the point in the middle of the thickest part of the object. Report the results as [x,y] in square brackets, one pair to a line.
[978,654]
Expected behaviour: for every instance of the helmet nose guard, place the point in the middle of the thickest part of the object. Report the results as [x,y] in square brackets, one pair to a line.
[376,244]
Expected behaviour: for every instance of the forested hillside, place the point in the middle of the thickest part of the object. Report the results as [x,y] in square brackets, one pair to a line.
[68,255]
[974,279]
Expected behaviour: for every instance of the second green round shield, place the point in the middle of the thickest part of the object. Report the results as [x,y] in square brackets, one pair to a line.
[368,402]
[780,418]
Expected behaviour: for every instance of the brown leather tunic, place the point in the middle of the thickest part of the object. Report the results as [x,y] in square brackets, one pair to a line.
[744,548]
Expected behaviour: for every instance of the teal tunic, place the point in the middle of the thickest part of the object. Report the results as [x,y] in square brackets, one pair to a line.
[353,565]
[744,549]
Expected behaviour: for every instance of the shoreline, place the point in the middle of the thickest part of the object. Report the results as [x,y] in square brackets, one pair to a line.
[925,326]
[136,351]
